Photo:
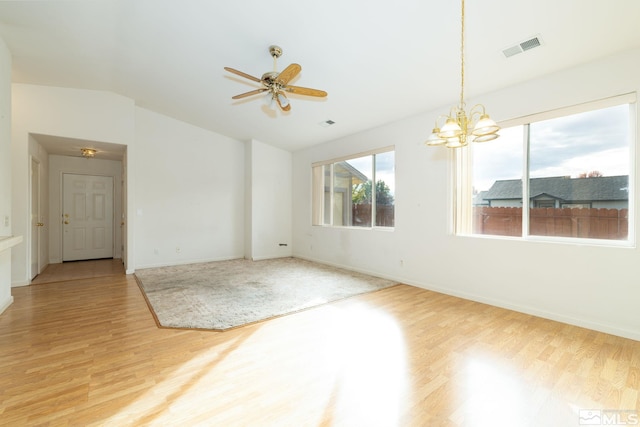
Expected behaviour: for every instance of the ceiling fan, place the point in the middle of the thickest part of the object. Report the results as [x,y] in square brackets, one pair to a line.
[277,83]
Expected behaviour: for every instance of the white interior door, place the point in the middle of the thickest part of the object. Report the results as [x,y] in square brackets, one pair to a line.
[36,218]
[87,218]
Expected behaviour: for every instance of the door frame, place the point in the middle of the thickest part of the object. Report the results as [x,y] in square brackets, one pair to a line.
[35,232]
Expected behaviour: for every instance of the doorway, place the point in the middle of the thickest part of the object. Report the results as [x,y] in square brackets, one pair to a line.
[87,218]
[36,219]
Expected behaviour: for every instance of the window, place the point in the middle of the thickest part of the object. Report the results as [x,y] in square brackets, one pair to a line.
[572,166]
[344,193]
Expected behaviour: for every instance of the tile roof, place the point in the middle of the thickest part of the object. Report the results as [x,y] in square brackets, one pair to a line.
[564,188]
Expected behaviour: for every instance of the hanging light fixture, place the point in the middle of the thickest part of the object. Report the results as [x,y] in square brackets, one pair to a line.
[460,127]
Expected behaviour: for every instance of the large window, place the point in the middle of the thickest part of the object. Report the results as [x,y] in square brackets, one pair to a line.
[356,191]
[572,167]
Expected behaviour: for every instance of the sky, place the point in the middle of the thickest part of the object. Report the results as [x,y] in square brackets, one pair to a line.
[385,168]
[570,145]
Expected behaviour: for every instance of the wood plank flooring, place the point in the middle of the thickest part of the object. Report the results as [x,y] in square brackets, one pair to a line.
[88,353]
[79,270]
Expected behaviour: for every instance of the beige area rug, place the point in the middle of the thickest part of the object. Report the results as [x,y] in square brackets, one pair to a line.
[227,294]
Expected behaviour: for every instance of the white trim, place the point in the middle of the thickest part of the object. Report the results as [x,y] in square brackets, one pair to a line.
[20,284]
[627,98]
[526,152]
[7,242]
[545,314]
[355,156]
[6,303]
[463,221]
[633,143]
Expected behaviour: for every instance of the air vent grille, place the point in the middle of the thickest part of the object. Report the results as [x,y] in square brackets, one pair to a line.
[523,46]
[530,44]
[327,123]
[510,51]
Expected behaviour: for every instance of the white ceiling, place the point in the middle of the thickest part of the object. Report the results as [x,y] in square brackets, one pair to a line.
[380,61]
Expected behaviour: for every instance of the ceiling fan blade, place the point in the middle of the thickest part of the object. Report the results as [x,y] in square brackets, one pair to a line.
[283,102]
[245,75]
[288,73]
[305,91]
[253,92]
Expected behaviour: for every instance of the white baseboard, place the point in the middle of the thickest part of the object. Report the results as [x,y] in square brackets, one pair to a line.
[20,284]
[558,317]
[6,303]
[262,258]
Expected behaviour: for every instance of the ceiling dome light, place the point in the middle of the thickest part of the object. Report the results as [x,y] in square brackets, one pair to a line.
[88,152]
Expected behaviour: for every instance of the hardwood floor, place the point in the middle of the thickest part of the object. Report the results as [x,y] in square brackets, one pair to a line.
[79,270]
[88,352]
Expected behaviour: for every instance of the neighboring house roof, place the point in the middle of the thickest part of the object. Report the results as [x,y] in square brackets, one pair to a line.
[479,199]
[359,176]
[563,188]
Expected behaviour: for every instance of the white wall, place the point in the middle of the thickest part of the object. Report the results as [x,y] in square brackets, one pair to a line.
[184,185]
[5,174]
[592,286]
[59,165]
[63,112]
[268,194]
[189,193]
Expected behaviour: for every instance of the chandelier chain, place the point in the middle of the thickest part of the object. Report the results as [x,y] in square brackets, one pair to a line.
[462,59]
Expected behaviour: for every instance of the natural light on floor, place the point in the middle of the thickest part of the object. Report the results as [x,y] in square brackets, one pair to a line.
[354,365]
[366,351]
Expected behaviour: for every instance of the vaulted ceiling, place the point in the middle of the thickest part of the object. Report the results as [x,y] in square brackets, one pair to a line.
[380,61]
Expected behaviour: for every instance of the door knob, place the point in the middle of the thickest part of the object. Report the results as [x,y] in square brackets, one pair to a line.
[40,224]
[66,222]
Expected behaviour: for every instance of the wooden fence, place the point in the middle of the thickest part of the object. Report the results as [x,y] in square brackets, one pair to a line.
[586,223]
[362,215]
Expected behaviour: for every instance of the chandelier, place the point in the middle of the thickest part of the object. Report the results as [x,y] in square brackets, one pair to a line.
[460,127]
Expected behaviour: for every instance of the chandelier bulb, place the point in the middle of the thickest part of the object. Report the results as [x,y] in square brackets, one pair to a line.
[451,129]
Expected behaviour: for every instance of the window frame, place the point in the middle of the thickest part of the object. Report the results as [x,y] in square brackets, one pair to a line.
[462,175]
[318,206]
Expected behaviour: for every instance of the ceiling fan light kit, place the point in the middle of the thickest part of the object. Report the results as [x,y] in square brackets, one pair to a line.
[460,127]
[275,83]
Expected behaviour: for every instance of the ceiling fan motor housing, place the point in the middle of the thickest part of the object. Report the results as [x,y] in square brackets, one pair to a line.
[275,51]
[269,78]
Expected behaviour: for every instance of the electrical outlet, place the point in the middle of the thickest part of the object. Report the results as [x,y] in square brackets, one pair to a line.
[177,249]
[6,220]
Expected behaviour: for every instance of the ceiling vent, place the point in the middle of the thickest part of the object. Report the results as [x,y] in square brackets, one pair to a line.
[522,47]
[327,123]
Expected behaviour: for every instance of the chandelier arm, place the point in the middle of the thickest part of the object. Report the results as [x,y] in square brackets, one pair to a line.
[477,110]
[441,116]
